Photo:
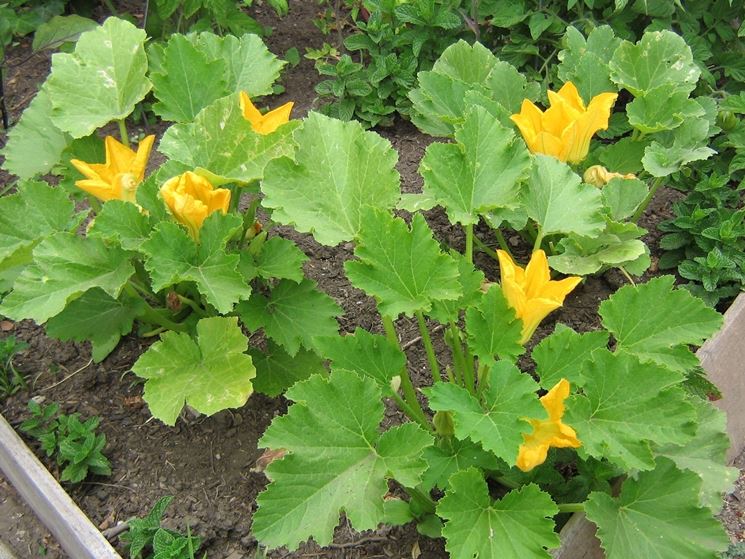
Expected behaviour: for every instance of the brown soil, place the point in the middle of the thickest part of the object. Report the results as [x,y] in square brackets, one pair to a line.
[207,463]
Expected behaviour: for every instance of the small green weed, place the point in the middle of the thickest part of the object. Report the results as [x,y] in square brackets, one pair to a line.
[10,379]
[75,445]
[147,534]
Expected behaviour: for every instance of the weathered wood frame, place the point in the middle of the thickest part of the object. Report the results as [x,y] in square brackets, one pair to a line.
[722,357]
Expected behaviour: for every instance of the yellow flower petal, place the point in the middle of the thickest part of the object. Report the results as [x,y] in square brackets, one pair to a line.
[267,123]
[547,433]
[531,292]
[565,129]
[121,174]
[191,198]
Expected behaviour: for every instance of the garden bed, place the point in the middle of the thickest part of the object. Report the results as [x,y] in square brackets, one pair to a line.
[209,464]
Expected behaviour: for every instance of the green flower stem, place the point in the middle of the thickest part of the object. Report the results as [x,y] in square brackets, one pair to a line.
[538,239]
[502,242]
[470,367]
[462,359]
[572,507]
[433,365]
[481,245]
[123,132]
[406,385]
[643,206]
[469,242]
[110,6]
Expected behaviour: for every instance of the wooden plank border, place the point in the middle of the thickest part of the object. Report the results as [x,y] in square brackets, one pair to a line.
[723,359]
[52,505]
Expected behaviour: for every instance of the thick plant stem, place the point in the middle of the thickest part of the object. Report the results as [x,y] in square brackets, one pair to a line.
[469,242]
[416,415]
[433,365]
[459,360]
[123,132]
[572,507]
[193,305]
[480,245]
[422,499]
[406,385]
[390,330]
[152,315]
[110,6]
[643,206]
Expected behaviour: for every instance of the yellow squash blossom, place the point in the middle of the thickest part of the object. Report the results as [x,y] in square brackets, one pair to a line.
[192,198]
[530,291]
[564,130]
[549,432]
[599,176]
[119,177]
[267,123]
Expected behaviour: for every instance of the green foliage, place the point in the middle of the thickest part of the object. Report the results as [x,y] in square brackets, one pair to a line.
[661,517]
[336,459]
[194,71]
[22,17]
[210,374]
[75,445]
[102,80]
[338,170]
[518,526]
[392,43]
[11,380]
[147,534]
[402,267]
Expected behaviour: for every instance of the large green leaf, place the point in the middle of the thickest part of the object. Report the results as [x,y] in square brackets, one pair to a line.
[559,202]
[366,354]
[97,317]
[659,109]
[223,143]
[518,526]
[339,170]
[660,58]
[584,62]
[336,460]
[481,172]
[496,420]
[60,30]
[34,145]
[470,279]
[617,246]
[404,269]
[626,404]
[657,323]
[35,211]
[210,374]
[280,258]
[248,64]
[172,257]
[188,81]
[492,327]
[277,370]
[123,223]
[101,81]
[65,266]
[657,515]
[292,315]
[562,354]
[452,455]
[706,454]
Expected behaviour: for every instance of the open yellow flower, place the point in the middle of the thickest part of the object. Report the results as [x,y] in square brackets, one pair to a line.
[564,130]
[192,198]
[119,177]
[599,176]
[549,432]
[531,292]
[267,123]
